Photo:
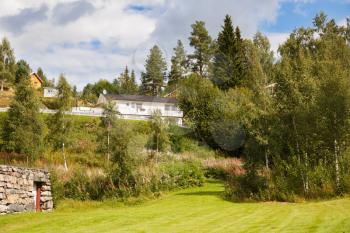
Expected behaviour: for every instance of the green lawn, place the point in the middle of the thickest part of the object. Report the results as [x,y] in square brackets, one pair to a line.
[192,210]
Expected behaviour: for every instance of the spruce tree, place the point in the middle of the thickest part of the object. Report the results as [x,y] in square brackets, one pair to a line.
[229,68]
[127,83]
[202,43]
[152,80]
[23,130]
[178,65]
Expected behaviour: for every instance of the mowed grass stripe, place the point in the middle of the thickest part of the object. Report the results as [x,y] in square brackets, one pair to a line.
[200,209]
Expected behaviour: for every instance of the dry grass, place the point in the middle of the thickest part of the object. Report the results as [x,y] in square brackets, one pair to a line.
[232,166]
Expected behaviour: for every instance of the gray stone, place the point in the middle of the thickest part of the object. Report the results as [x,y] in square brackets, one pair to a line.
[15,208]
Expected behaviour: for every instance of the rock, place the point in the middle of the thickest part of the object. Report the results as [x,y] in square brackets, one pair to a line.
[15,208]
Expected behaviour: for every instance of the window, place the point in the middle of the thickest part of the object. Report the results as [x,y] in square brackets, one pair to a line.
[174,108]
[167,107]
[139,107]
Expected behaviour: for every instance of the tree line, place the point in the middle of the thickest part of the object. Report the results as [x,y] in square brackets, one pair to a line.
[287,118]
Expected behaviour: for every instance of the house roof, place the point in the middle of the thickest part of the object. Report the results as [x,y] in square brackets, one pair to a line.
[37,76]
[141,98]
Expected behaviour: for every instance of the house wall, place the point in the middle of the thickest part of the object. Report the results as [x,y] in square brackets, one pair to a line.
[17,189]
[36,84]
[50,92]
[144,110]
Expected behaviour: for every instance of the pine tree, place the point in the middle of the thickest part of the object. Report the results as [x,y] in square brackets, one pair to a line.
[178,65]
[24,128]
[152,80]
[202,43]
[229,62]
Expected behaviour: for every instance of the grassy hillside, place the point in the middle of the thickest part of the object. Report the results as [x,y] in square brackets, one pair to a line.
[192,210]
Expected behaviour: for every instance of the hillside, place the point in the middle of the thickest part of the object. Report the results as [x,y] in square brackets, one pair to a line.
[200,209]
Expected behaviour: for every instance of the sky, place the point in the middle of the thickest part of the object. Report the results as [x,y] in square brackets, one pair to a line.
[88,40]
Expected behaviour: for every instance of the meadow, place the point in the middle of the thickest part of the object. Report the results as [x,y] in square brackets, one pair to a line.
[199,209]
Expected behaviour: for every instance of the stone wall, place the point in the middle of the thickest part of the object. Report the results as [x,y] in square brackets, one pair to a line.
[18,192]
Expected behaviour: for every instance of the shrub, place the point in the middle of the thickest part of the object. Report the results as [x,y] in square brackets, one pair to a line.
[83,187]
[181,175]
[249,186]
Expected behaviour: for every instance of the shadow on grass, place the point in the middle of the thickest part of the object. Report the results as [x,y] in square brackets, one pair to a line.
[203,193]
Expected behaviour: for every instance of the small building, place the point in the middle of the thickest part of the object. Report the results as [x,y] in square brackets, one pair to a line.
[24,189]
[35,81]
[50,92]
[140,107]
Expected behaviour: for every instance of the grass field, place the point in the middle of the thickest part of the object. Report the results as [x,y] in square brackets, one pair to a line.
[192,210]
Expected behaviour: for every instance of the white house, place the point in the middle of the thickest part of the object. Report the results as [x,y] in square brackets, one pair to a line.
[140,107]
[50,92]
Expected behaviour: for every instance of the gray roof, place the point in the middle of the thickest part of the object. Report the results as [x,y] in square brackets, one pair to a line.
[141,98]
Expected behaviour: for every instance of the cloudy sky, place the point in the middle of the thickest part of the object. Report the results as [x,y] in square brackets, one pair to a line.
[92,39]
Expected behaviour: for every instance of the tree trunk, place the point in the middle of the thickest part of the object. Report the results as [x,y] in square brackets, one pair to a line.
[296,138]
[64,158]
[266,159]
[108,146]
[336,158]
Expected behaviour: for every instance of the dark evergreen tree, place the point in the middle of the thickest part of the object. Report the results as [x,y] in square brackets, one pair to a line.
[127,83]
[178,65]
[23,70]
[229,69]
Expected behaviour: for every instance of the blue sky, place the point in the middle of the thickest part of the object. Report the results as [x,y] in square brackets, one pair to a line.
[92,39]
[295,14]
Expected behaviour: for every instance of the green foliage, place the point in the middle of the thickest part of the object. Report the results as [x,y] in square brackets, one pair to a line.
[127,83]
[59,125]
[229,68]
[202,43]
[178,65]
[22,72]
[24,129]
[197,99]
[152,80]
[159,140]
[305,138]
[92,91]
[46,82]
[177,138]
[182,175]
[7,63]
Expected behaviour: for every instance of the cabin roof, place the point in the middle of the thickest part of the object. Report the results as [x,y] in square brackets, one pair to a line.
[37,76]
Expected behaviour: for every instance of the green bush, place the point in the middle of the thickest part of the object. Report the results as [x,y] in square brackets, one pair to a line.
[249,186]
[83,187]
[181,175]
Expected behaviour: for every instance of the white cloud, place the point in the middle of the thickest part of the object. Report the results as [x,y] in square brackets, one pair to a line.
[123,36]
[277,39]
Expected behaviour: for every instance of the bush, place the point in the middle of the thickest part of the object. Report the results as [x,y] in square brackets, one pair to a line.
[181,175]
[249,186]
